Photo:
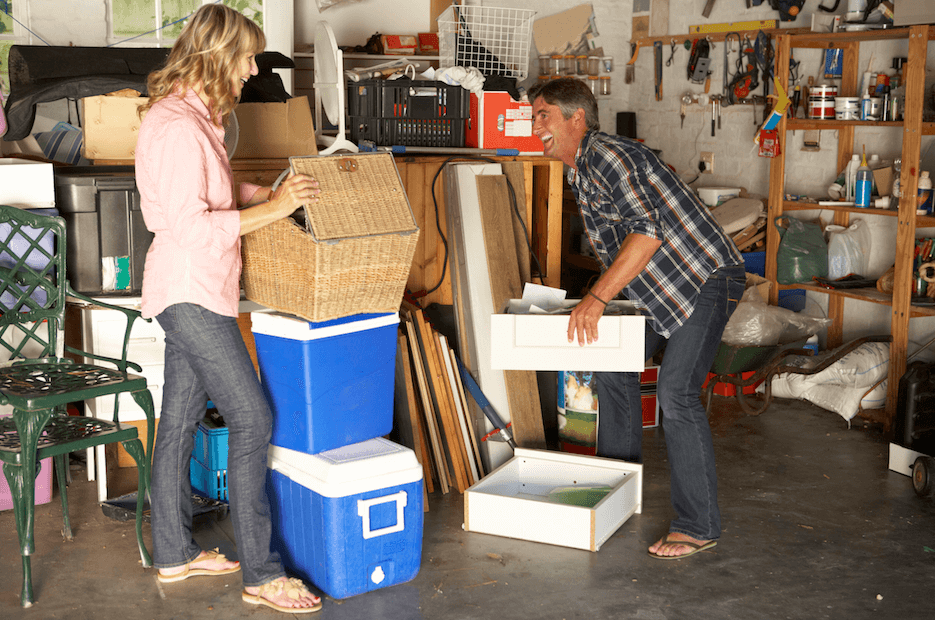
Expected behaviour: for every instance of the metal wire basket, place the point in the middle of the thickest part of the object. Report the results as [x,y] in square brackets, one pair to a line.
[495,40]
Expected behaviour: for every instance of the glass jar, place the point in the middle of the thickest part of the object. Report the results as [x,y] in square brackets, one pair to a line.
[607,63]
[555,64]
[605,84]
[594,83]
[594,65]
[569,64]
[581,64]
[544,66]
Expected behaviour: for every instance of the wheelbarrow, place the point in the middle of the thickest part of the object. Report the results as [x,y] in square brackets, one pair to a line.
[732,361]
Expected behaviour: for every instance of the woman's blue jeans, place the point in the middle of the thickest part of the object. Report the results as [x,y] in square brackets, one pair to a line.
[206,358]
[689,353]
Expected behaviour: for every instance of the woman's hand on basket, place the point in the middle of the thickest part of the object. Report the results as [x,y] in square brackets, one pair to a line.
[297,190]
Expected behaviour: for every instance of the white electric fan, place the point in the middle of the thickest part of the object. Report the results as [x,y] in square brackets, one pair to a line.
[329,90]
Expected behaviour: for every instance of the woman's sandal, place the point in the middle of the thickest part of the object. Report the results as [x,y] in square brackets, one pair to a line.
[188,571]
[293,588]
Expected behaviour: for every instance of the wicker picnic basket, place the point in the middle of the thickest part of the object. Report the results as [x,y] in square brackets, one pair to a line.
[352,253]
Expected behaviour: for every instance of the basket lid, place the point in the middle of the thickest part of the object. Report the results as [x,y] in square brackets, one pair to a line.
[361,195]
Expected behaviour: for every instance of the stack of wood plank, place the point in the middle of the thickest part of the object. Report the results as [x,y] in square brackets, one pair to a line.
[752,238]
[432,408]
[489,262]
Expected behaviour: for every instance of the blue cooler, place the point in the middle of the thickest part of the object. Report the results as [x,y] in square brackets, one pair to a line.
[347,520]
[329,384]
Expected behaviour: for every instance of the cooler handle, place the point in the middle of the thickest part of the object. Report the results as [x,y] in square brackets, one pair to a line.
[363,511]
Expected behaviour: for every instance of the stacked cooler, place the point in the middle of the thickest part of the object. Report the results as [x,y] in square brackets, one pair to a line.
[346,504]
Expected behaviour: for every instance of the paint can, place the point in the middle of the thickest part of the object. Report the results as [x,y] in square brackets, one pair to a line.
[821,101]
[847,108]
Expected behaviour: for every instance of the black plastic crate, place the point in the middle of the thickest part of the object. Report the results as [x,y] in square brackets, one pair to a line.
[407,113]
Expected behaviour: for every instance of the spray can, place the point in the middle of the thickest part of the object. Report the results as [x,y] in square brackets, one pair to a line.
[863,185]
[924,197]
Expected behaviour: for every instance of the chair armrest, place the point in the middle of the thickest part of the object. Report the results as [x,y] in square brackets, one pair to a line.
[130,313]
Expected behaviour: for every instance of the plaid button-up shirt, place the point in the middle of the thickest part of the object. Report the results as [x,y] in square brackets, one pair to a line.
[622,187]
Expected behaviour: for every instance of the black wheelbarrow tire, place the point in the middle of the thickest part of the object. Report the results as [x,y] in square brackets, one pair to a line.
[923,476]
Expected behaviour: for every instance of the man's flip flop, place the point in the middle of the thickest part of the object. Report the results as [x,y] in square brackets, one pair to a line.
[294,589]
[188,571]
[695,548]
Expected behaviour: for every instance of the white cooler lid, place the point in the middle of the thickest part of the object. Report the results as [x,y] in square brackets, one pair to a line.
[351,470]
[270,323]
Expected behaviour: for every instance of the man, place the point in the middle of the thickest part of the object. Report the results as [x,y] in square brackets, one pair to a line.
[661,247]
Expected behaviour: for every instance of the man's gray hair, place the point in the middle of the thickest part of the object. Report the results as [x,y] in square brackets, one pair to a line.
[569,94]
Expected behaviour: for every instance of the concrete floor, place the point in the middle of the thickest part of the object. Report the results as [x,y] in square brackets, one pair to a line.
[815,526]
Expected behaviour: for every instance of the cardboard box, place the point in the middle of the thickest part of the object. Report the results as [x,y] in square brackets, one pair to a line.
[111,126]
[533,497]
[540,341]
[26,184]
[883,177]
[123,457]
[348,520]
[499,122]
[399,44]
[275,130]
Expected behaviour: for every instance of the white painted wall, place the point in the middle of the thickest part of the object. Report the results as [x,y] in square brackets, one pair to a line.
[355,21]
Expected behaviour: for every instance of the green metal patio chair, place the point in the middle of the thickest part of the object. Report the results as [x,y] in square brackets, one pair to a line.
[40,382]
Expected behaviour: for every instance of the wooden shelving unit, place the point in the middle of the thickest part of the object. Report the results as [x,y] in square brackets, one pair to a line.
[912,131]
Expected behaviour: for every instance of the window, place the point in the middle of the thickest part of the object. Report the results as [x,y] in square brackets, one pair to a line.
[11,32]
[135,21]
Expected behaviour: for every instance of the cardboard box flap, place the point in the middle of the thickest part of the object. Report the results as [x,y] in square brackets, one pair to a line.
[275,130]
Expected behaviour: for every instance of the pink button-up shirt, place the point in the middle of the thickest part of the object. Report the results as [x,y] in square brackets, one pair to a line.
[186,189]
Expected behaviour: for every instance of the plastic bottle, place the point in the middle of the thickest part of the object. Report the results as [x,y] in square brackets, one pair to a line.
[924,200]
[863,185]
[850,177]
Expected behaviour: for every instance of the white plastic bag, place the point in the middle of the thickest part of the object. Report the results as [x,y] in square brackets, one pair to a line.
[848,249]
[843,386]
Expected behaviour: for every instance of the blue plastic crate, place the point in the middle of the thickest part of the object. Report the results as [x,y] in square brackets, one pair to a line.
[208,482]
[793,299]
[755,262]
[211,445]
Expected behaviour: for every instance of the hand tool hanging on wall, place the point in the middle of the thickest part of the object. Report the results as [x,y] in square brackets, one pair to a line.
[763,52]
[727,76]
[747,77]
[788,9]
[657,57]
[699,62]
[629,74]
[709,5]
[671,53]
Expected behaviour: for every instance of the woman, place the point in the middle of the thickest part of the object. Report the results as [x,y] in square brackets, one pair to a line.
[191,284]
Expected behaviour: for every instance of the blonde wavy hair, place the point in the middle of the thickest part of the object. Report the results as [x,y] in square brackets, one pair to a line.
[207,52]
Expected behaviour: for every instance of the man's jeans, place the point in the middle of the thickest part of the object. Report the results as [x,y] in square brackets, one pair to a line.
[206,358]
[689,353]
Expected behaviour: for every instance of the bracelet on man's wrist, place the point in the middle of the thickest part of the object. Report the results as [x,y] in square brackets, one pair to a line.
[597,298]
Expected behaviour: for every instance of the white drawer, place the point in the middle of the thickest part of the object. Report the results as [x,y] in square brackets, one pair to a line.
[103,407]
[103,335]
